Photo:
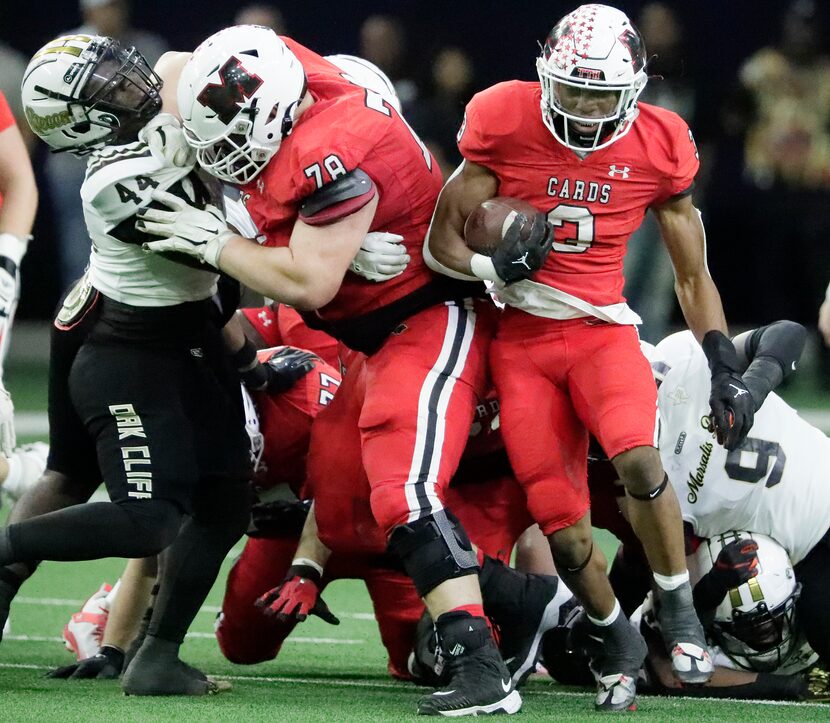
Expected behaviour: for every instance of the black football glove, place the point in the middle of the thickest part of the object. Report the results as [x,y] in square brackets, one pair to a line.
[736,563]
[286,366]
[524,248]
[732,405]
[277,519]
[106,664]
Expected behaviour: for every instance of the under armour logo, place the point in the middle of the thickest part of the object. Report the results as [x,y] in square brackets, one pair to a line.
[523,261]
[738,391]
[264,318]
[613,171]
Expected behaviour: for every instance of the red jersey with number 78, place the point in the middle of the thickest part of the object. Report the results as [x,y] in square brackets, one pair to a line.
[350,127]
[594,203]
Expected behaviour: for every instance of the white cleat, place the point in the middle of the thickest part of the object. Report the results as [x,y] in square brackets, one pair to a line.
[26,465]
[85,630]
[691,664]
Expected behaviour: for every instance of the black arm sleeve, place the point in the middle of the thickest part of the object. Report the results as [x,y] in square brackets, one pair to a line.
[771,353]
[707,595]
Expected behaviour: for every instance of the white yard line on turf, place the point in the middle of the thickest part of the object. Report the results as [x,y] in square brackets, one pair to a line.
[209,609]
[290,639]
[398,686]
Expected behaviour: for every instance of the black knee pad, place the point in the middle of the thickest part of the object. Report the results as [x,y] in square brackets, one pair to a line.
[433,549]
[652,494]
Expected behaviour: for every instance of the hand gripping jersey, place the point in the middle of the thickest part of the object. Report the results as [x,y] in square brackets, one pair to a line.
[120,180]
[350,127]
[594,203]
[776,484]
[279,426]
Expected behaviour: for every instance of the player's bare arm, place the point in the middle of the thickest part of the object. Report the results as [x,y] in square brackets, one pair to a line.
[17,185]
[685,239]
[169,67]
[308,273]
[298,596]
[464,191]
[732,404]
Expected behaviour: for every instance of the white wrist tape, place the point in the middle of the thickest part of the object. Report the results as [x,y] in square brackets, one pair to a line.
[482,266]
[13,247]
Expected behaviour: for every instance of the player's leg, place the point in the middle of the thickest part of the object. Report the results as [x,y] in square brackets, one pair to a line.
[220,514]
[811,607]
[244,633]
[121,608]
[548,445]
[613,391]
[421,390]
[148,478]
[397,609]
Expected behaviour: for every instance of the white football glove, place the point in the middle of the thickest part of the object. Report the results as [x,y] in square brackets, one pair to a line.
[7,433]
[167,142]
[201,233]
[382,256]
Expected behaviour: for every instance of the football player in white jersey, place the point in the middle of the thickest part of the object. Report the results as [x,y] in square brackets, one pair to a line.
[745,593]
[136,321]
[776,484]
[144,373]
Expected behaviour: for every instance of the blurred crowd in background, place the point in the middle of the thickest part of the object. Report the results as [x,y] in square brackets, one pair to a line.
[752,80]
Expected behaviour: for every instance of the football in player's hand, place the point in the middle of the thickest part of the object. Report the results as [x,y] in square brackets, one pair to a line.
[485,227]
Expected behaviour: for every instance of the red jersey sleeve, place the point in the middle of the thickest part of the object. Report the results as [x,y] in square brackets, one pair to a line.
[6,117]
[486,129]
[682,161]
[338,148]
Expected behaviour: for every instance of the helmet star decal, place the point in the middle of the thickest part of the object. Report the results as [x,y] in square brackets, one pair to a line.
[571,38]
[235,87]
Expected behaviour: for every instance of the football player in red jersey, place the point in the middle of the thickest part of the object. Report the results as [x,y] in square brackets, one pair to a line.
[593,162]
[321,161]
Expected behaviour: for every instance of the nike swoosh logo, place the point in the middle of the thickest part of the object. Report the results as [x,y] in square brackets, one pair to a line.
[505,686]
[443,692]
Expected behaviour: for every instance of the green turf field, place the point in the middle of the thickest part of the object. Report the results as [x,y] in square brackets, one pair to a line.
[324,673]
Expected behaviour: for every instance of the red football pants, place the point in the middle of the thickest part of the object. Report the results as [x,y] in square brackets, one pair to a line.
[246,635]
[556,382]
[419,393]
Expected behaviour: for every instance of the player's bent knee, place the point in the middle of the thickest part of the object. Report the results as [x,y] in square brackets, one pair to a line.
[155,524]
[640,469]
[389,507]
[572,547]
[433,549]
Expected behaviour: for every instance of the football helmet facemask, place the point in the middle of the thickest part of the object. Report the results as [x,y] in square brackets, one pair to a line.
[592,70]
[82,92]
[755,624]
[238,95]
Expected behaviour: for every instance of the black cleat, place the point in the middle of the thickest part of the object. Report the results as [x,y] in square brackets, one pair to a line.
[542,605]
[157,670]
[479,682]
[7,593]
[426,662]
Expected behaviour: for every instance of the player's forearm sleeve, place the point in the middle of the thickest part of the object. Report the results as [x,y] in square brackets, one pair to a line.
[774,351]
